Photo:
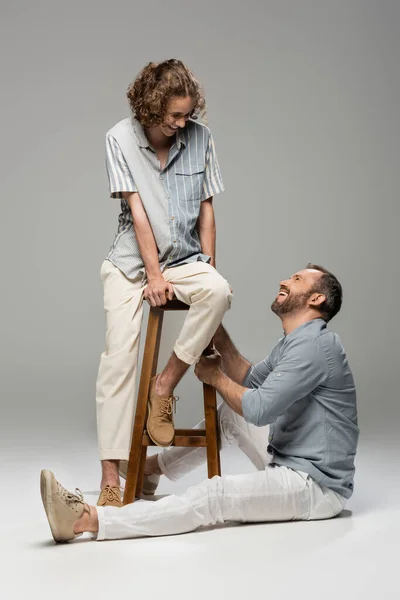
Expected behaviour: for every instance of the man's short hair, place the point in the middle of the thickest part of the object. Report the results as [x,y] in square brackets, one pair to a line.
[328,285]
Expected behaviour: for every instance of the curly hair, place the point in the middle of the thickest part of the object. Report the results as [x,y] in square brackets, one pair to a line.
[156,84]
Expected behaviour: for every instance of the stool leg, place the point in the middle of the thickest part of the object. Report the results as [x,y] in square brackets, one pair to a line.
[137,457]
[140,479]
[212,433]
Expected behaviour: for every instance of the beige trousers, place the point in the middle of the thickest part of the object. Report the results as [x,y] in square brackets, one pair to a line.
[197,284]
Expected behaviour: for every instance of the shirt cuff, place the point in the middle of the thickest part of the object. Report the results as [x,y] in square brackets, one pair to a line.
[118,194]
[250,407]
[212,190]
[247,377]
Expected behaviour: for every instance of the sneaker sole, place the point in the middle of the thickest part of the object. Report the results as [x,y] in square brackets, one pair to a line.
[45,491]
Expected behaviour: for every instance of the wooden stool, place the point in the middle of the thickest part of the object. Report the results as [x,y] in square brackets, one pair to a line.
[207,437]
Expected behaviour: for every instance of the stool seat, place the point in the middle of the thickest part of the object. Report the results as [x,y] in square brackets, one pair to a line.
[174,304]
[207,438]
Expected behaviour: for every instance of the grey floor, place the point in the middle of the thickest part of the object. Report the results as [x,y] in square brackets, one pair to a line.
[354,556]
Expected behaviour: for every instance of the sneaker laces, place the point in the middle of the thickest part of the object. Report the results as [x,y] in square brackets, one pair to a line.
[73,500]
[167,405]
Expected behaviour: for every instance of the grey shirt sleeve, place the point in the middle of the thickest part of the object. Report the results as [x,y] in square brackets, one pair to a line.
[300,370]
[257,374]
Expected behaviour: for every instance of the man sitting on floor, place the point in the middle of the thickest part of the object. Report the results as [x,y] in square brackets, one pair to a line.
[304,390]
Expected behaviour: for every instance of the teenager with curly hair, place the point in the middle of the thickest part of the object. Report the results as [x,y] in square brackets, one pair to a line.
[162,166]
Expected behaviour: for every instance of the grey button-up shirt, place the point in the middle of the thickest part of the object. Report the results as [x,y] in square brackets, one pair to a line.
[171,196]
[305,390]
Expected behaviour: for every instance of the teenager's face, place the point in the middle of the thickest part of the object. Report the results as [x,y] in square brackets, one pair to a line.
[178,112]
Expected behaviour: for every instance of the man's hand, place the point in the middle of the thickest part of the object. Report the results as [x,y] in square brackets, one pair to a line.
[158,291]
[208,369]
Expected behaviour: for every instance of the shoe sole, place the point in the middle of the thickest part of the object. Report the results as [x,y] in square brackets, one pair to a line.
[46,478]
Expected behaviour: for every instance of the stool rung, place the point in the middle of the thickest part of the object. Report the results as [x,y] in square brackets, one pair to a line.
[196,432]
[183,437]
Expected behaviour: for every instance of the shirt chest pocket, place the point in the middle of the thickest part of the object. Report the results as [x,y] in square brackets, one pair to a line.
[189,181]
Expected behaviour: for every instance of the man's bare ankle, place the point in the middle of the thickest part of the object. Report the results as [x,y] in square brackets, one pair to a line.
[111,482]
[110,474]
[87,522]
[162,387]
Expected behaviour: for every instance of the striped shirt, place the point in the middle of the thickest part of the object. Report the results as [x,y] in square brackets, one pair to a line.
[171,196]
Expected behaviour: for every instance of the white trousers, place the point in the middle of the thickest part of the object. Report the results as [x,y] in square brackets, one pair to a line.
[273,493]
[197,284]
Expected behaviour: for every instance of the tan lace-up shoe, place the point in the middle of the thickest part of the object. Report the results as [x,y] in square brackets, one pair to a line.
[110,496]
[160,422]
[62,507]
[150,482]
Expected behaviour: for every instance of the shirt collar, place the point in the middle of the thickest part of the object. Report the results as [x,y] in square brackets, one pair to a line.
[316,323]
[140,134]
[180,139]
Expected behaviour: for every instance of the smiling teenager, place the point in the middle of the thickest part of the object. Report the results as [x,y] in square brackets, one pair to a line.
[162,166]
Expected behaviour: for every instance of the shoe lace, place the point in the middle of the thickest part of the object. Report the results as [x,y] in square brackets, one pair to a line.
[73,500]
[111,493]
[167,405]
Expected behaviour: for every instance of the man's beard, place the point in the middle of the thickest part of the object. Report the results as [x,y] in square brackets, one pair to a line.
[290,304]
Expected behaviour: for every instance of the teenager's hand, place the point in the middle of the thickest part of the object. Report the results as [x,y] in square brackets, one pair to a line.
[158,291]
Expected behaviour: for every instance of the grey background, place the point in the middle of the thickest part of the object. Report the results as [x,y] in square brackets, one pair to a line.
[303,104]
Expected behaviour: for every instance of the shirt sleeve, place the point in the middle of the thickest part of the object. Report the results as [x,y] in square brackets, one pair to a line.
[119,176]
[257,374]
[300,370]
[212,183]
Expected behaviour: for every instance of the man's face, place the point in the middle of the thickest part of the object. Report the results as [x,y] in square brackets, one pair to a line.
[294,293]
[178,112]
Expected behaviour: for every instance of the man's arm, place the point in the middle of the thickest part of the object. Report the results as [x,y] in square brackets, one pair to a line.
[208,370]
[207,230]
[301,370]
[157,287]
[232,362]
